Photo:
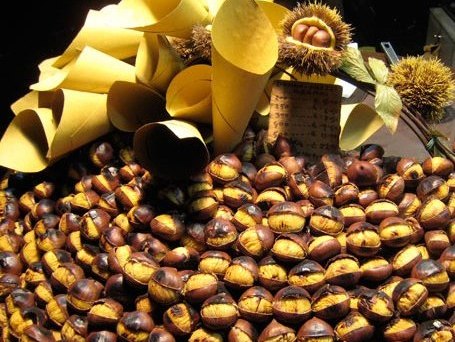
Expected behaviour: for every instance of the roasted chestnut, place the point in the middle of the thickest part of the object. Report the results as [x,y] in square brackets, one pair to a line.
[289,248]
[343,270]
[409,295]
[292,304]
[276,331]
[165,286]
[308,274]
[219,311]
[354,328]
[255,241]
[242,273]
[326,220]
[376,306]
[330,302]
[180,319]
[135,325]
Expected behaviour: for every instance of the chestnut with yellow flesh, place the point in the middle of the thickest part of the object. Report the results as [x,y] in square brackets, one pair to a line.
[138,271]
[181,317]
[442,336]
[405,259]
[292,249]
[395,234]
[203,203]
[437,279]
[286,223]
[353,328]
[409,301]
[198,281]
[325,224]
[256,304]
[275,272]
[55,312]
[69,334]
[133,336]
[214,265]
[161,293]
[17,323]
[433,214]
[270,196]
[307,279]
[376,269]
[251,241]
[205,335]
[238,274]
[219,310]
[401,329]
[343,270]
[293,305]
[30,252]
[221,240]
[286,217]
[81,305]
[106,311]
[287,337]
[244,219]
[64,276]
[329,300]
[44,292]
[433,303]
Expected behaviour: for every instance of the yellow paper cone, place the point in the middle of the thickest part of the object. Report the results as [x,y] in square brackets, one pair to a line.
[244,51]
[275,13]
[99,34]
[157,62]
[169,17]
[132,105]
[26,140]
[358,122]
[171,149]
[93,71]
[81,118]
[189,96]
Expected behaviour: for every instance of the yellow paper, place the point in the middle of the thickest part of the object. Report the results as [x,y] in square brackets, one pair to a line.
[189,96]
[31,100]
[169,17]
[131,105]
[26,140]
[99,34]
[171,149]
[244,51]
[157,62]
[81,118]
[358,122]
[275,13]
[93,71]
[37,137]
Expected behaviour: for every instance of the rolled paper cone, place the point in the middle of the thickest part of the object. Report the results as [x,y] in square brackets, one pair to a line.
[93,71]
[242,63]
[38,137]
[171,149]
[103,36]
[81,118]
[25,143]
[132,105]
[358,122]
[157,62]
[189,95]
[174,18]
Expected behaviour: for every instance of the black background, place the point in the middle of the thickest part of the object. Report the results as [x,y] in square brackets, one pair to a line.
[32,31]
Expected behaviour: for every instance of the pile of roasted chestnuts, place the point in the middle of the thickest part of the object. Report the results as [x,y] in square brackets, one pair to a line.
[264,245]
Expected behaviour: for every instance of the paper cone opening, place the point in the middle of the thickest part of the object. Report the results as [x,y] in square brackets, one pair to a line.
[131,105]
[161,151]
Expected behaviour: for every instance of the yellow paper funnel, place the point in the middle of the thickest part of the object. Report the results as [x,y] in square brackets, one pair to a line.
[171,149]
[189,96]
[244,52]
[358,122]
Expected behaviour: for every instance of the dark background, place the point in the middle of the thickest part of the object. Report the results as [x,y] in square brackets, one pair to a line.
[32,31]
